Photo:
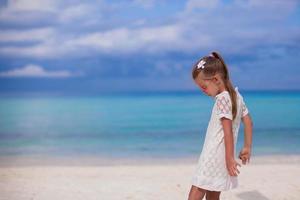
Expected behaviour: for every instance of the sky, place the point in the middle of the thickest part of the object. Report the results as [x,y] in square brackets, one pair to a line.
[98,46]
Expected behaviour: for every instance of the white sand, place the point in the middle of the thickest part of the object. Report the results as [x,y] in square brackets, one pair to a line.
[269,177]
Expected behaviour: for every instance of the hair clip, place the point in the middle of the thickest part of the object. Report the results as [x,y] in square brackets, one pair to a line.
[201,64]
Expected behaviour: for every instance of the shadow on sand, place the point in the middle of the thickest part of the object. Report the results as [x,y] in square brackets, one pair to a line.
[251,195]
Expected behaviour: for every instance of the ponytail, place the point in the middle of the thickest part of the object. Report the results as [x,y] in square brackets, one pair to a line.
[228,84]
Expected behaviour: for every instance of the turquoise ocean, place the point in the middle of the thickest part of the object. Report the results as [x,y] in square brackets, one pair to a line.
[139,125]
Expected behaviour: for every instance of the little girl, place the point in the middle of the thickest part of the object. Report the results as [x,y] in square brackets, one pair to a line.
[217,170]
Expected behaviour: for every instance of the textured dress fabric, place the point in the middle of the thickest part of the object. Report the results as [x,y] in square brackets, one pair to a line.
[211,172]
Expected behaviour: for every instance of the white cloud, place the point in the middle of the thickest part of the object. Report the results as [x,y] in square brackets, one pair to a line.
[200,26]
[34,13]
[43,50]
[145,3]
[38,34]
[32,70]
[25,5]
[75,12]
[129,40]
[195,4]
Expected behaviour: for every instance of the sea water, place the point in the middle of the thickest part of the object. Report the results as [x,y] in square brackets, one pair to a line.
[167,124]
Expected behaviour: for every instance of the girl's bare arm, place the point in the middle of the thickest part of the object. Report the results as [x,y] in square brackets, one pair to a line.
[231,163]
[228,137]
[248,127]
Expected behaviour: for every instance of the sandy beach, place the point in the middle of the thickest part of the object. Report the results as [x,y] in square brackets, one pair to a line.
[265,178]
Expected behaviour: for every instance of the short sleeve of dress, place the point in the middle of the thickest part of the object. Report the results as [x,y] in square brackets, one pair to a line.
[245,110]
[224,106]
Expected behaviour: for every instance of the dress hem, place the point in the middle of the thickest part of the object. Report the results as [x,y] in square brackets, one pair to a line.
[205,187]
[210,188]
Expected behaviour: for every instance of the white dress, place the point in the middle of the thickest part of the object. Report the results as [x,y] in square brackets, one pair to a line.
[211,172]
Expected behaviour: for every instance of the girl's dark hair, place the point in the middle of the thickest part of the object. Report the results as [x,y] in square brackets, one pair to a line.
[214,64]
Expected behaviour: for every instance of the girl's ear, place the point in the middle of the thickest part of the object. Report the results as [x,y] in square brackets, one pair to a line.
[215,79]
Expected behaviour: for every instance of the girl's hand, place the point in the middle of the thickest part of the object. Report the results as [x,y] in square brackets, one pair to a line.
[245,154]
[231,165]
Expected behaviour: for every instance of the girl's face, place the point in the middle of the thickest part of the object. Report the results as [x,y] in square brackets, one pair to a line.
[207,85]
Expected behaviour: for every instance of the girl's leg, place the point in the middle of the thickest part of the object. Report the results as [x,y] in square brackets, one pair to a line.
[196,193]
[212,195]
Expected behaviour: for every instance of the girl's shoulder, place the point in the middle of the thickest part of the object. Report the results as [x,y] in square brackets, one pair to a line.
[225,96]
[221,95]
[238,94]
